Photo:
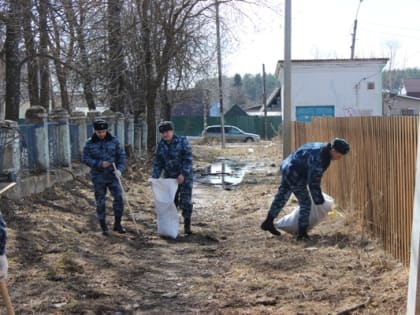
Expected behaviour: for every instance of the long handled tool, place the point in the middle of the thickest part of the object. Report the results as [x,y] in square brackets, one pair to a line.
[6,298]
[128,204]
[3,286]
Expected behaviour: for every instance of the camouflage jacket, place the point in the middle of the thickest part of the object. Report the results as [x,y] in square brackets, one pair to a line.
[3,236]
[306,166]
[174,159]
[97,151]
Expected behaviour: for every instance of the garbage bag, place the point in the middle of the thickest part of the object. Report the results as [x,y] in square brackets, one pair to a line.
[164,190]
[289,223]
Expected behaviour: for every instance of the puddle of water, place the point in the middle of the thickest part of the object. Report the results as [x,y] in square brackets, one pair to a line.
[227,172]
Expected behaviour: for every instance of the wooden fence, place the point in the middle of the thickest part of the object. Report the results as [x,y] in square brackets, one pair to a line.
[377,178]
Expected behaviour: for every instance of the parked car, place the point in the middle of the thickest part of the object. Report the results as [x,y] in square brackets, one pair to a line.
[232,133]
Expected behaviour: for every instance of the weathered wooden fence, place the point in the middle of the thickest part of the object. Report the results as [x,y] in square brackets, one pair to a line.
[377,178]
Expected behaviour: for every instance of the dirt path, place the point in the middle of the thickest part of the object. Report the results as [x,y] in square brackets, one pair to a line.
[61,264]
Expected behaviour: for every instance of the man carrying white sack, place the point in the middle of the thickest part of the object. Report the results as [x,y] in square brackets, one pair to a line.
[174,160]
[301,170]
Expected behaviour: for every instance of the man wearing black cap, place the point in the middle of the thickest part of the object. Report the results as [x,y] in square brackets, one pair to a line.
[301,170]
[101,151]
[174,160]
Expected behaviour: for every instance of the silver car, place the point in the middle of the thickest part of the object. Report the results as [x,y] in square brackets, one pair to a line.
[232,134]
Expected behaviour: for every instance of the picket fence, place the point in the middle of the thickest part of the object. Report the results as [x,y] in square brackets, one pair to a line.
[376,179]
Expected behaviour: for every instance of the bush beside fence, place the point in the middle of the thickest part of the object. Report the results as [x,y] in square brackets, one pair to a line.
[377,178]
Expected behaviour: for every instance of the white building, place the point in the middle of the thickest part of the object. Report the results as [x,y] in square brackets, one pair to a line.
[335,87]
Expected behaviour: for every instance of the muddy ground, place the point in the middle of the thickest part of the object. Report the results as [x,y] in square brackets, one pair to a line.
[61,264]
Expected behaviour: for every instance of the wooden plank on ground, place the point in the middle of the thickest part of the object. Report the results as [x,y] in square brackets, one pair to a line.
[6,186]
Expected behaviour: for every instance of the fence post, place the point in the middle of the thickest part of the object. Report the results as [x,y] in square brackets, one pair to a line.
[120,128]
[109,116]
[37,115]
[130,131]
[137,138]
[413,298]
[144,136]
[79,119]
[10,164]
[61,116]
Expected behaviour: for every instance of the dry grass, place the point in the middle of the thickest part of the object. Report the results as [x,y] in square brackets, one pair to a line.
[61,264]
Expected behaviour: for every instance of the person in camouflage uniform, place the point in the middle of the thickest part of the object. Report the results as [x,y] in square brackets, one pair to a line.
[3,259]
[101,151]
[301,170]
[174,160]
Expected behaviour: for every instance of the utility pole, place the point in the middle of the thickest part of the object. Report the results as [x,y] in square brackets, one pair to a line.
[353,40]
[287,106]
[219,67]
[265,105]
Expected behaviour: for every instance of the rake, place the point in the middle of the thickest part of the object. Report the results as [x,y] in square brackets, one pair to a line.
[128,204]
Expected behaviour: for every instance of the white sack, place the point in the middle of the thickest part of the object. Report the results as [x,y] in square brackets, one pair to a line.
[289,223]
[164,190]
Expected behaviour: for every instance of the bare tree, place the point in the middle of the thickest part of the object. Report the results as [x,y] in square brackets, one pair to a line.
[62,47]
[12,56]
[116,64]
[44,95]
[30,53]
[167,30]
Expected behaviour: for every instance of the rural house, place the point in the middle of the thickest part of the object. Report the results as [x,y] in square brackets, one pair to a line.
[400,105]
[412,87]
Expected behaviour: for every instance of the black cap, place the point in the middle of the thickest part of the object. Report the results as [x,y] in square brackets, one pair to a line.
[340,145]
[165,126]
[100,125]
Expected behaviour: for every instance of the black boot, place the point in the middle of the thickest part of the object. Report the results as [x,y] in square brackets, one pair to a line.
[118,227]
[303,234]
[268,225]
[187,226]
[103,227]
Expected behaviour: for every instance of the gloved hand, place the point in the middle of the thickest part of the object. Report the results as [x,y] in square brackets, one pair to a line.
[117,173]
[4,266]
[319,201]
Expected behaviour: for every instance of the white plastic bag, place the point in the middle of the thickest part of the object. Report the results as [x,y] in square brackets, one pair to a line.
[289,223]
[164,190]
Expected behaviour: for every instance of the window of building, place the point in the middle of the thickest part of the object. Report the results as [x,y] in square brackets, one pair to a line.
[371,85]
[407,111]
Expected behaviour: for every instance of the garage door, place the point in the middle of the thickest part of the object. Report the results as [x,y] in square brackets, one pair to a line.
[305,113]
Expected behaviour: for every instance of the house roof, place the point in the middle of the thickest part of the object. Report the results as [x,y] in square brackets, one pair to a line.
[338,60]
[235,110]
[406,97]
[384,61]
[270,100]
[412,85]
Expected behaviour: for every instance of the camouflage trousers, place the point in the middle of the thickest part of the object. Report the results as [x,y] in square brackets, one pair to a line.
[183,198]
[100,185]
[282,196]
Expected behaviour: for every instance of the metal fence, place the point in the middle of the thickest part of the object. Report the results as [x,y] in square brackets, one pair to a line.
[3,142]
[49,144]
[57,157]
[193,126]
[74,142]
[377,178]
[28,149]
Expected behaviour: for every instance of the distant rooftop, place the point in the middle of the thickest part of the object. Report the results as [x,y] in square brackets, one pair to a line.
[337,60]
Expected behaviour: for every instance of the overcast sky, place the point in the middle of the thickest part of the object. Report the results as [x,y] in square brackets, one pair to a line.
[323,28]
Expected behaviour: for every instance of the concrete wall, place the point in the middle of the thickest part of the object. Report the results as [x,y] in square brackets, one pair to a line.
[342,84]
